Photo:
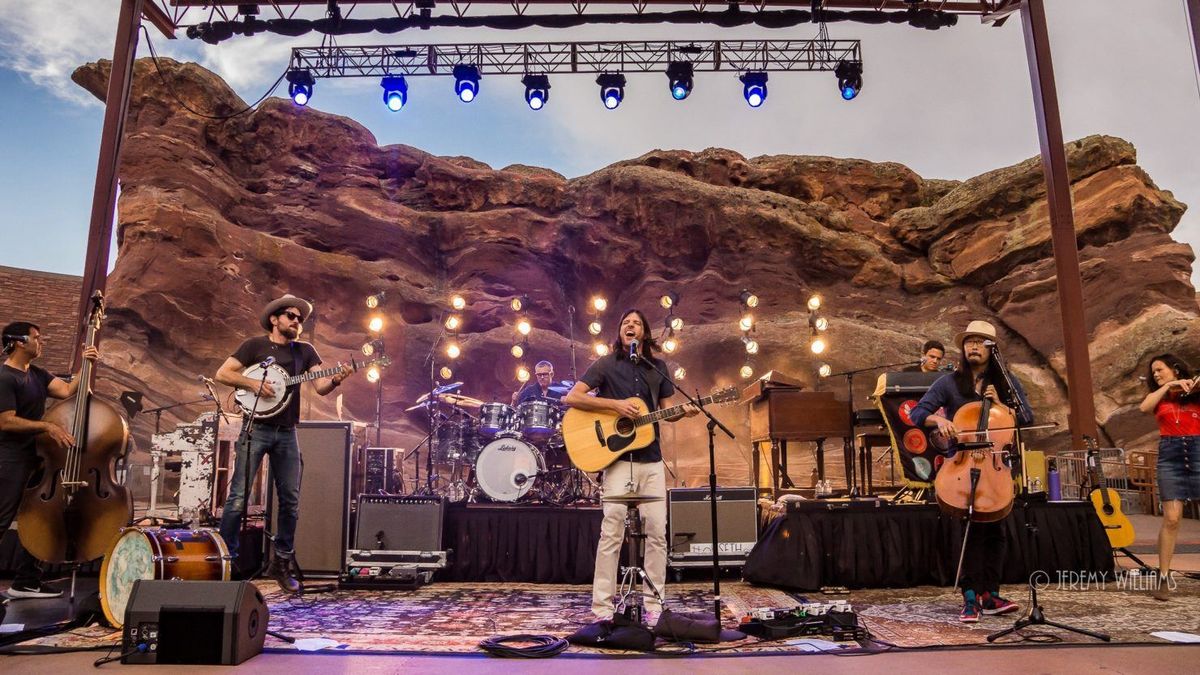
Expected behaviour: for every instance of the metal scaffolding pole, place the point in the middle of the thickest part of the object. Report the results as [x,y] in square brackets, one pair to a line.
[1062,223]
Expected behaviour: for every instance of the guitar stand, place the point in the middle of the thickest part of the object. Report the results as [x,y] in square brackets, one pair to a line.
[1036,616]
[1142,567]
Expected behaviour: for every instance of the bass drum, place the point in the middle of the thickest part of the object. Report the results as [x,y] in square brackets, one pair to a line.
[158,553]
[506,469]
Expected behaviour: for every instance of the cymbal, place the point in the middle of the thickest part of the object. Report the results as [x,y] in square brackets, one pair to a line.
[630,499]
[456,399]
[447,388]
[558,389]
[421,404]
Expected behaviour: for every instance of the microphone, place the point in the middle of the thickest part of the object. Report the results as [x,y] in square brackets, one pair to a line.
[204,380]
[633,351]
[946,367]
[990,344]
[267,362]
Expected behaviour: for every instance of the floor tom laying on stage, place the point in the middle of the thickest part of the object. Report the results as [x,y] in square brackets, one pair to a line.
[507,468]
[495,418]
[162,554]
[539,419]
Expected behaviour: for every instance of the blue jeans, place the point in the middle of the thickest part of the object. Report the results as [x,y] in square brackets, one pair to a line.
[286,466]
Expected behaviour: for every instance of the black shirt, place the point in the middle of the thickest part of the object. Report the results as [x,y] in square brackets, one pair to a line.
[617,377]
[25,393]
[533,392]
[296,357]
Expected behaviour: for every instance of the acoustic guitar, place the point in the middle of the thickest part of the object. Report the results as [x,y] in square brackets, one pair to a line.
[1107,502]
[281,381]
[596,439]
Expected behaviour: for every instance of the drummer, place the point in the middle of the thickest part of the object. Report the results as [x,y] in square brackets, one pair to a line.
[543,377]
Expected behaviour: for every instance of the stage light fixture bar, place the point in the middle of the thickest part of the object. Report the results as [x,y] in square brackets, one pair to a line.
[519,58]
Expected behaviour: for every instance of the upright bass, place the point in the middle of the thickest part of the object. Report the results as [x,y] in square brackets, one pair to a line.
[76,507]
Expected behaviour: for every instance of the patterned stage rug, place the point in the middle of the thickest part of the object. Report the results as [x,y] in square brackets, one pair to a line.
[455,617]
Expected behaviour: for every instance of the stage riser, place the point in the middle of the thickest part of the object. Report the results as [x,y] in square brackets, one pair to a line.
[896,546]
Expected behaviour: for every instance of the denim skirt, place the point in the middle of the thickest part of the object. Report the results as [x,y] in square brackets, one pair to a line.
[1179,468]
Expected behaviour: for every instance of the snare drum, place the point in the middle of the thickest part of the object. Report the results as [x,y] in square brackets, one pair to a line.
[495,418]
[539,419]
[507,467]
[162,554]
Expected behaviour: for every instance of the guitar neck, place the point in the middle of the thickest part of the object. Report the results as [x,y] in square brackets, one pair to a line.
[317,374]
[663,414]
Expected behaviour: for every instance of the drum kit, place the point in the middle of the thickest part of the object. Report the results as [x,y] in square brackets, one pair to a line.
[501,453]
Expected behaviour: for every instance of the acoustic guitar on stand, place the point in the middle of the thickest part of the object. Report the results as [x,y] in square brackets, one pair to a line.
[1107,502]
[596,439]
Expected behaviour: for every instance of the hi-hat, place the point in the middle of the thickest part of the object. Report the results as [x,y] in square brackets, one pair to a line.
[630,499]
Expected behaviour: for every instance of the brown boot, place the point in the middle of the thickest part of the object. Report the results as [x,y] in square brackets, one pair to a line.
[281,571]
[1162,590]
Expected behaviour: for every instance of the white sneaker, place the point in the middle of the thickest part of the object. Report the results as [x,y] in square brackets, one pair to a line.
[36,590]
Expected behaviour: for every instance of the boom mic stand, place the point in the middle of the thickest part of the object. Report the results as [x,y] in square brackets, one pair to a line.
[713,424]
[847,444]
[428,489]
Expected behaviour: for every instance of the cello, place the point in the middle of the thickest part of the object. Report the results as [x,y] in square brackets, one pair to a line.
[76,507]
[989,496]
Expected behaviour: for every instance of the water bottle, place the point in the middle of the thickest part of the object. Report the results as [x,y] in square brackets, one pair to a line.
[1053,482]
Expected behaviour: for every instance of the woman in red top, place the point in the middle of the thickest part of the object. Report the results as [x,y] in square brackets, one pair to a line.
[1170,383]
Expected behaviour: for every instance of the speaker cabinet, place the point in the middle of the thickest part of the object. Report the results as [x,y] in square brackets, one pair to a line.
[193,622]
[689,526]
[394,523]
[323,530]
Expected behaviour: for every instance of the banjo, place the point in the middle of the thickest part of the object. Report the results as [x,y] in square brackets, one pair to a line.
[282,382]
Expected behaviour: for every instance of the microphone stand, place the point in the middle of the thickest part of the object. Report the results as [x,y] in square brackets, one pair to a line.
[243,443]
[1019,412]
[428,489]
[847,444]
[713,424]
[571,330]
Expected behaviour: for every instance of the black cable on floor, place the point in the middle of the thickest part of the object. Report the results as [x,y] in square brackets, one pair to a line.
[541,647]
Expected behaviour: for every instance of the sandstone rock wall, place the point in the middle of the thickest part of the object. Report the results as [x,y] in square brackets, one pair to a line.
[217,217]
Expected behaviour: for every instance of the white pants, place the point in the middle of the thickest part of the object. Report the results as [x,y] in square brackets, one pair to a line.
[648,479]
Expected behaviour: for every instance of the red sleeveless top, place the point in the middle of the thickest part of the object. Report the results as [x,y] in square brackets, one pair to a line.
[1176,418]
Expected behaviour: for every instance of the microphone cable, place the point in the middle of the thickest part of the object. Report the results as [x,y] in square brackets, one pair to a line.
[540,647]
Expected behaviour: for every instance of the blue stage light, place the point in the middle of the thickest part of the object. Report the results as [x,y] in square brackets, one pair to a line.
[537,90]
[466,82]
[612,89]
[754,88]
[679,73]
[300,85]
[849,75]
[395,92]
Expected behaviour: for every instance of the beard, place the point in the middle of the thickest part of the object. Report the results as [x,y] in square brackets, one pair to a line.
[291,333]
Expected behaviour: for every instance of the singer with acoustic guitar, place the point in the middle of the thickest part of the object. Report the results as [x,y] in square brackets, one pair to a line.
[977,378]
[274,435]
[620,379]
[1174,402]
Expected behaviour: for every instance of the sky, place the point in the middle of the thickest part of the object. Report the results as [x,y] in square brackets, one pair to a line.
[951,103]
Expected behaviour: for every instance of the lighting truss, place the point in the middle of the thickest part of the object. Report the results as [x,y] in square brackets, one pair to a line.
[518,58]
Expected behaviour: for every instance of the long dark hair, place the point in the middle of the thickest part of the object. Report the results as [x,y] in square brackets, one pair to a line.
[648,343]
[1182,370]
[965,380]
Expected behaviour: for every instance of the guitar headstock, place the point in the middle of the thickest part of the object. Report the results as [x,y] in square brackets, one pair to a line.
[725,395]
[96,315]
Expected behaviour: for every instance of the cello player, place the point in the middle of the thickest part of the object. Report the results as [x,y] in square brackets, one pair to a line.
[977,377]
[24,388]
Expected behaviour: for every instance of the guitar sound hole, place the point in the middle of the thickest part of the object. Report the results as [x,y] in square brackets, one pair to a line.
[624,426]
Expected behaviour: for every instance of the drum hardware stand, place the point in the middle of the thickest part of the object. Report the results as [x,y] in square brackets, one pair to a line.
[1036,616]
[633,576]
[713,424]
[571,328]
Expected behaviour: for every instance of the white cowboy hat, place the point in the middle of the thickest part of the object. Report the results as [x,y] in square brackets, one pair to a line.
[976,328]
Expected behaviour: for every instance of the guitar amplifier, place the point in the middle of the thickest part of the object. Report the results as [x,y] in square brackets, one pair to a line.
[397,542]
[689,526]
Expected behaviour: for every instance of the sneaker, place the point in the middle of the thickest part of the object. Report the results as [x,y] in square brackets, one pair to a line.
[992,603]
[970,610]
[281,571]
[37,589]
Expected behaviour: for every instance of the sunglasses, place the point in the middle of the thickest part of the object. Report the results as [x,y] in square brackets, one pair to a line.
[294,317]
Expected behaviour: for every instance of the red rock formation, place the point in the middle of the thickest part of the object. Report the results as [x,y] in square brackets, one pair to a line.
[217,217]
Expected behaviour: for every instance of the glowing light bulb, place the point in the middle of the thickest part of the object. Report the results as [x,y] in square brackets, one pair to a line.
[458,302]
[746,372]
[814,303]
[524,327]
[453,350]
[516,304]
[751,347]
[522,374]
[821,323]
[599,304]
[817,346]
[375,324]
[601,349]
[825,370]
[446,373]
[373,374]
[746,322]
[517,351]
[676,323]
[670,345]
[594,328]
[680,373]
[453,322]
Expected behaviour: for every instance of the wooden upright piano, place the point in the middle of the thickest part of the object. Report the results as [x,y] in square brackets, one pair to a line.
[781,411]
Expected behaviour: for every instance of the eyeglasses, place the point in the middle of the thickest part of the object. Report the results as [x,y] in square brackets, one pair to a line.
[543,374]
[973,341]
[294,317]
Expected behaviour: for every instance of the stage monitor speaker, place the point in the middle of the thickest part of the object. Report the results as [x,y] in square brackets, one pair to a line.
[323,530]
[689,529]
[193,622]
[394,523]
